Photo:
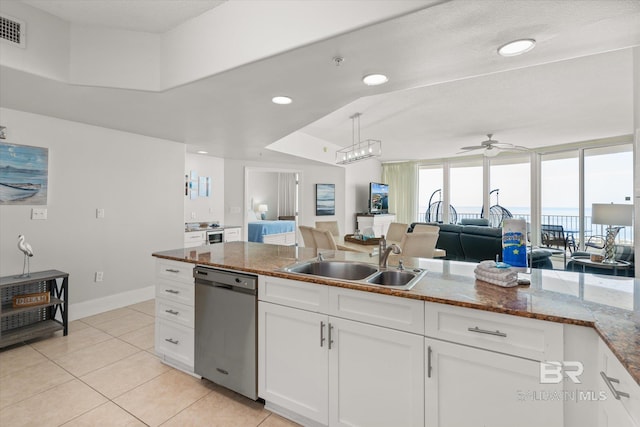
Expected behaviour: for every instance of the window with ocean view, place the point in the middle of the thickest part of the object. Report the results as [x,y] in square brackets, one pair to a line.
[512,177]
[560,189]
[608,178]
[466,189]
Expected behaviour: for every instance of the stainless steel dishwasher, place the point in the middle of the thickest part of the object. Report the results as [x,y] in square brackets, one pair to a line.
[225,329]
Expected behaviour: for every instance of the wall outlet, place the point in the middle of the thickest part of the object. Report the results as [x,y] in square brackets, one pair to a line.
[38,213]
[100,213]
[99,276]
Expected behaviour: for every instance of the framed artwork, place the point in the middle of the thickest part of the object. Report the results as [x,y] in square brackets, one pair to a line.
[24,174]
[325,199]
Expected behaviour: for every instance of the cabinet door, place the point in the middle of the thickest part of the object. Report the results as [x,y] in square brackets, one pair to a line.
[375,376]
[466,386]
[612,414]
[292,360]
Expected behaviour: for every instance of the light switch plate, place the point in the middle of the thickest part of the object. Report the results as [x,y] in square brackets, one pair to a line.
[38,213]
[99,213]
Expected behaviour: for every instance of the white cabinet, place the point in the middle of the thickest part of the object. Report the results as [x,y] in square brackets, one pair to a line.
[292,361]
[379,223]
[233,234]
[621,407]
[488,364]
[375,375]
[194,238]
[175,297]
[466,386]
[321,369]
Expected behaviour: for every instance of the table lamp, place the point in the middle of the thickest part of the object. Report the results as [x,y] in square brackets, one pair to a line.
[263,209]
[616,216]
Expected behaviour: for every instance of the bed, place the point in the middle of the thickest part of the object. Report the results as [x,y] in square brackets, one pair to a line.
[273,232]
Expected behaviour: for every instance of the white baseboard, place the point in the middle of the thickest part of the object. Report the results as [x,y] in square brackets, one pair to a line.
[100,305]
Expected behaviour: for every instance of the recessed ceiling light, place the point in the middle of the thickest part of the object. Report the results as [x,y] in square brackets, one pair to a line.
[202,152]
[374,79]
[282,100]
[516,47]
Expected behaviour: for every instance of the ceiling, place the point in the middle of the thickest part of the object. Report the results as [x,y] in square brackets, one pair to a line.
[447,88]
[156,16]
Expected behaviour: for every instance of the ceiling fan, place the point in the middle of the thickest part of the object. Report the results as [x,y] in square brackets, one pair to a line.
[493,147]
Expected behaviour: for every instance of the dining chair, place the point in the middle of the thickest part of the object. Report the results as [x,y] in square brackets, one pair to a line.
[396,231]
[426,228]
[307,236]
[324,239]
[332,226]
[419,244]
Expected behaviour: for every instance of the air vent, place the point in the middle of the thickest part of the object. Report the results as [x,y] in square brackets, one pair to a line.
[12,30]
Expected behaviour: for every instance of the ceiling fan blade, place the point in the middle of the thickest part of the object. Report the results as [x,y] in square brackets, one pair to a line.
[502,145]
[515,148]
[474,147]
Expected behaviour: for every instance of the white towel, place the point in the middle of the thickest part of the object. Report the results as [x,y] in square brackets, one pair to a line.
[487,271]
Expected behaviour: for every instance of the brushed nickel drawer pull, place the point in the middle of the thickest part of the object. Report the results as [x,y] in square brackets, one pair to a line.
[172,291]
[608,380]
[172,270]
[175,313]
[429,362]
[497,333]
[322,338]
[172,341]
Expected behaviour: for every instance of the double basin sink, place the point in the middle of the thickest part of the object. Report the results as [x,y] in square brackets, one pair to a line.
[359,273]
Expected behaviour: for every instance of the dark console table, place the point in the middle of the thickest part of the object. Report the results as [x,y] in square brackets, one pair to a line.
[24,323]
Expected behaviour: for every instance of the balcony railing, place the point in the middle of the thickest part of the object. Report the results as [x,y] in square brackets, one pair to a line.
[568,222]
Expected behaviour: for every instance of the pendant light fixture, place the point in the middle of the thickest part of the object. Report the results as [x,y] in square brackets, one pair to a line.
[359,149]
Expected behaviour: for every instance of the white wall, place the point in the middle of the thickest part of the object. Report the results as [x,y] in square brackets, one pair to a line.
[47,43]
[357,178]
[206,209]
[264,190]
[137,180]
[310,176]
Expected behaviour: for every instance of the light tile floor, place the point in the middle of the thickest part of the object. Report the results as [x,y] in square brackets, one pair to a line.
[104,373]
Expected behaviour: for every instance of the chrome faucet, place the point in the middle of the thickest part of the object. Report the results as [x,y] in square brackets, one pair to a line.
[320,257]
[385,255]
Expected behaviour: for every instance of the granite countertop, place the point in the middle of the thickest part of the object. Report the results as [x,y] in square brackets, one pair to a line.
[605,303]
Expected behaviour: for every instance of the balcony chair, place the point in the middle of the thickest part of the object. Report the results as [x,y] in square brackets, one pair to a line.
[554,235]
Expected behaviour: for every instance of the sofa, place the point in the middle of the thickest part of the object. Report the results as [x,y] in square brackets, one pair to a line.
[475,243]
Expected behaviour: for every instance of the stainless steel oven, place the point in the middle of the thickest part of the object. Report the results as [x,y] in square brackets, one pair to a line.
[215,236]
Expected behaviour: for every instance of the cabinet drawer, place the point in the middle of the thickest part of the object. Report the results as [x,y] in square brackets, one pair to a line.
[175,312]
[175,291]
[174,270]
[292,293]
[530,338]
[384,310]
[232,234]
[620,380]
[175,341]
[194,236]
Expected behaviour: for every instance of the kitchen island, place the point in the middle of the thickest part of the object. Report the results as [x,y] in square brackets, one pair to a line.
[609,306]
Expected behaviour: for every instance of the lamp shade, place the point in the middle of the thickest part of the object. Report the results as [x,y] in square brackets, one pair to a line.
[263,208]
[611,214]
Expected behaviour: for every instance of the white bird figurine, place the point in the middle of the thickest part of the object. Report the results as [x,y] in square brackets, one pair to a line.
[25,248]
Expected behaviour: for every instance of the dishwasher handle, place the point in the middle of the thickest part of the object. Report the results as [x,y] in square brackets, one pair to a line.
[225,279]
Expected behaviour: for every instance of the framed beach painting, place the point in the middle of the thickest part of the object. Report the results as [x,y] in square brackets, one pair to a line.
[325,199]
[24,174]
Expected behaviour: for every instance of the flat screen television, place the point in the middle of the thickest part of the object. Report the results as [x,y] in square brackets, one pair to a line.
[378,198]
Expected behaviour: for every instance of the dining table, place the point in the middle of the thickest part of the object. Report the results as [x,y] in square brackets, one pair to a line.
[372,250]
